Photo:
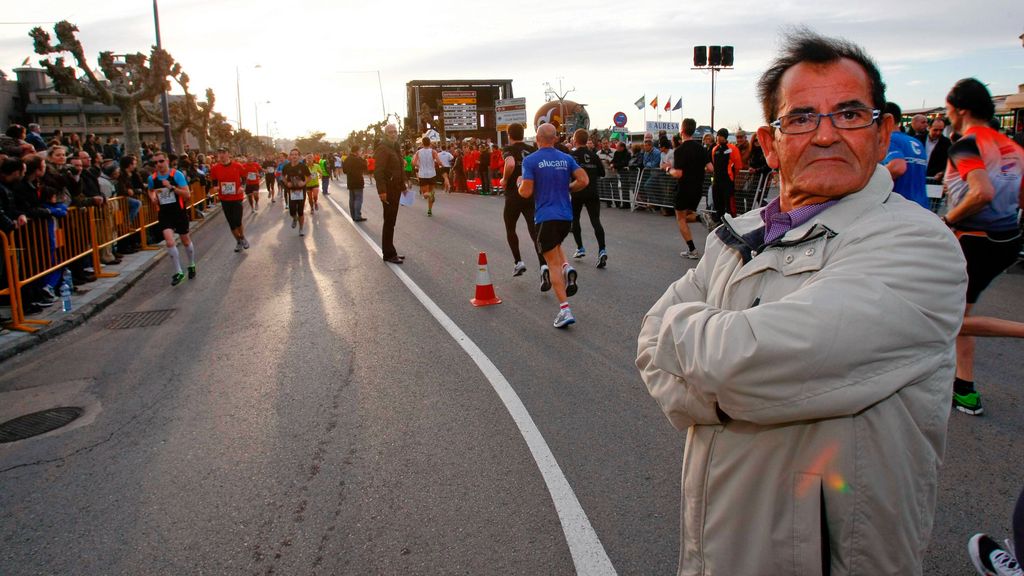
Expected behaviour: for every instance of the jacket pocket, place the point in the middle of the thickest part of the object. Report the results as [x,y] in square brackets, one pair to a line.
[809,535]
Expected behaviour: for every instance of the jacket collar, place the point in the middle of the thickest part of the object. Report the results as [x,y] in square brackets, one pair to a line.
[835,219]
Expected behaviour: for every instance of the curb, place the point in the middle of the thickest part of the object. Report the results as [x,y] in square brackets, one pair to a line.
[63,324]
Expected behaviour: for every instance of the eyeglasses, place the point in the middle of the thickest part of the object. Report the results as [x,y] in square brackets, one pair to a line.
[161,161]
[847,119]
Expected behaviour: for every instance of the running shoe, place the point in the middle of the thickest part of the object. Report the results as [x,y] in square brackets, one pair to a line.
[545,278]
[519,269]
[238,246]
[969,403]
[580,252]
[691,254]
[177,278]
[602,258]
[301,232]
[245,243]
[570,280]
[294,222]
[429,213]
[192,272]
[564,318]
[991,559]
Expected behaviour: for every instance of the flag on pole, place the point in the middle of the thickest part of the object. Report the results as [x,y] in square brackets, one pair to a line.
[679,105]
[654,103]
[25,63]
[668,104]
[640,103]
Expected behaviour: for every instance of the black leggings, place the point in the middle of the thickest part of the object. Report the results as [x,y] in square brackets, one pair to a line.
[515,207]
[587,198]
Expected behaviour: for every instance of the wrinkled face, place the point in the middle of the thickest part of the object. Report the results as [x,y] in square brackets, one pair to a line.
[826,161]
[935,130]
[84,159]
[919,124]
[741,139]
[648,146]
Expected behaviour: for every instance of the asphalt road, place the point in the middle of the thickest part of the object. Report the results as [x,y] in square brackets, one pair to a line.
[301,412]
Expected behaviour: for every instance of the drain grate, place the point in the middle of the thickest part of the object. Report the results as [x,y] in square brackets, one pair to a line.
[37,423]
[139,319]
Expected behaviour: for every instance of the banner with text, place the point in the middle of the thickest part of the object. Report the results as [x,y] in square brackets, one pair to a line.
[669,127]
[459,110]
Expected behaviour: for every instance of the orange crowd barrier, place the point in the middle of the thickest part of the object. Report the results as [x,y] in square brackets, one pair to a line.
[46,246]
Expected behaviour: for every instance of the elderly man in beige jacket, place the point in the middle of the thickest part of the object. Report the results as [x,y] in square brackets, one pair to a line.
[808,356]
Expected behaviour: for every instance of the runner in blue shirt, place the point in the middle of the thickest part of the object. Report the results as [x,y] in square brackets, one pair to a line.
[546,177]
[907,162]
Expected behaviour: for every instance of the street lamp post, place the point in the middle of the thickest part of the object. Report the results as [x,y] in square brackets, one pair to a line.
[168,144]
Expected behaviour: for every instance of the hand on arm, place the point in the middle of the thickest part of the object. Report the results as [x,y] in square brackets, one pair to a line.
[897,167]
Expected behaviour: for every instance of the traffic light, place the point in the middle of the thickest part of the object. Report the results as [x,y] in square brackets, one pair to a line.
[715,55]
[700,56]
[727,56]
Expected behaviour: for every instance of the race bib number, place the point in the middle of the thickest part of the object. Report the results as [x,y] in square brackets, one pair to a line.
[228,188]
[252,177]
[296,194]
[166,196]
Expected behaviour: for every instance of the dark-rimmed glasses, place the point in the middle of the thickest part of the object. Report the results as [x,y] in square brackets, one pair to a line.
[845,119]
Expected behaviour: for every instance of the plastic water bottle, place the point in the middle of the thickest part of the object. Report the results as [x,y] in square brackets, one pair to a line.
[65,291]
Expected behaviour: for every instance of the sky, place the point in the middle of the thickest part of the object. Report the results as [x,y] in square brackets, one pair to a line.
[313,65]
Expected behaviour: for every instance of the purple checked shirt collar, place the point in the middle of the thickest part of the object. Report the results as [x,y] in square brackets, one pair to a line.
[777,222]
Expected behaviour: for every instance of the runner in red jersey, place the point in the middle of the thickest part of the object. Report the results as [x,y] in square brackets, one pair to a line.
[252,181]
[227,176]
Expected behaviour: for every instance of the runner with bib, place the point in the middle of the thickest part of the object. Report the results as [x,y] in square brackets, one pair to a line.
[168,190]
[227,177]
[296,181]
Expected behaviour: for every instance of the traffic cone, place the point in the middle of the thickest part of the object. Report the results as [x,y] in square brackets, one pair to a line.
[484,289]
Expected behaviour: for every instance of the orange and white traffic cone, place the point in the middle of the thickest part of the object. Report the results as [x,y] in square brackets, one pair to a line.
[484,289]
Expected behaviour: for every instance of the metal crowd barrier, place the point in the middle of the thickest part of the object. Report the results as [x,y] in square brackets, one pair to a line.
[43,247]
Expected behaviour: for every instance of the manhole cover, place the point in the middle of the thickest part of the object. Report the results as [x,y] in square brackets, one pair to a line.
[37,423]
[139,319]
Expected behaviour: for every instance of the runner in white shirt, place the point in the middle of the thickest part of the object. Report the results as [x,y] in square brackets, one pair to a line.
[446,167]
[425,163]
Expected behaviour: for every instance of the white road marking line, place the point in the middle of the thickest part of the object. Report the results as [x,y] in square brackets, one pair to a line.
[588,554]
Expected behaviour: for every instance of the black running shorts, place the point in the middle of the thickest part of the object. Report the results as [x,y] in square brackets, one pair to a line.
[551,233]
[172,217]
[295,207]
[686,199]
[232,212]
[988,257]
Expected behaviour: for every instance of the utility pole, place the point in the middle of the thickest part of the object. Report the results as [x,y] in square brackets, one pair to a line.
[168,144]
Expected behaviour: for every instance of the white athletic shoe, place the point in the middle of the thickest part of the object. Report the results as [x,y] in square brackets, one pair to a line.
[520,267]
[564,318]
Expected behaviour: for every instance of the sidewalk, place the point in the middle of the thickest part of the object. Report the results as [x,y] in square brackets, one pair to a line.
[101,294]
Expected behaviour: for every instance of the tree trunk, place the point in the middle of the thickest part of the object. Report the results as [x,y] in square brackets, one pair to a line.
[130,123]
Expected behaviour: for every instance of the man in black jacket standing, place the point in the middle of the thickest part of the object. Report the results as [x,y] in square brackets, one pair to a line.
[936,146]
[390,184]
